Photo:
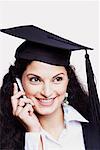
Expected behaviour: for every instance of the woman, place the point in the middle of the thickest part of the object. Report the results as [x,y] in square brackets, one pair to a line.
[40,117]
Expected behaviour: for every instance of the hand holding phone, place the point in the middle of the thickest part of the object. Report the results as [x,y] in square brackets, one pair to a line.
[25,113]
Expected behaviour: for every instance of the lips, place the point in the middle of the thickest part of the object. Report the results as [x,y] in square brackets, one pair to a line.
[46,102]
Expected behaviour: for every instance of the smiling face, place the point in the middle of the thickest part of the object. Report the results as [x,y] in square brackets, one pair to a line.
[47,84]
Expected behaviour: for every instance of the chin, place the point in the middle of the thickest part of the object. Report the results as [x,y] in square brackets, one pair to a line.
[44,111]
[47,110]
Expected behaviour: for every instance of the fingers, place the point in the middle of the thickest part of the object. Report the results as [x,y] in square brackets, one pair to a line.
[22,112]
[17,93]
[18,110]
[14,98]
[23,101]
[17,102]
[15,90]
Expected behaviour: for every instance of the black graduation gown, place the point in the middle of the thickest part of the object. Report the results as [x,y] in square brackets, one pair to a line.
[91,134]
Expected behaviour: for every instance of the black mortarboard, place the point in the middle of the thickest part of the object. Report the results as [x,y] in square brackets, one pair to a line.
[47,47]
[42,45]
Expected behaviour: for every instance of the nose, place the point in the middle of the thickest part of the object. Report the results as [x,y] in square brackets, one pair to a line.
[46,90]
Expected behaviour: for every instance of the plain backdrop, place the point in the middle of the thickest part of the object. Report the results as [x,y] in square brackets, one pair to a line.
[74,20]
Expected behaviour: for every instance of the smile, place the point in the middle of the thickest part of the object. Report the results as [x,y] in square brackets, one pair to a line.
[46,102]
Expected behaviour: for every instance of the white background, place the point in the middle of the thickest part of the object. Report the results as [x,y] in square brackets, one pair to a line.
[74,20]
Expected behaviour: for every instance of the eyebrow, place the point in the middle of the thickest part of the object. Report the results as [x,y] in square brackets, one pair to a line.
[58,75]
[40,77]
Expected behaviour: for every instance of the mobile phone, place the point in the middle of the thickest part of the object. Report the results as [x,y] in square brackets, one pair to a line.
[20,86]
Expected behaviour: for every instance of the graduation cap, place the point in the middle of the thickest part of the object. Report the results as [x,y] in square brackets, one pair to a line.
[50,48]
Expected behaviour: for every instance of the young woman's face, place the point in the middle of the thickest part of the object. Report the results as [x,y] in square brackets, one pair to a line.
[47,84]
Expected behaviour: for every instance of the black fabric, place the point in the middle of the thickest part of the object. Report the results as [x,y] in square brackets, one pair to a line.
[93,96]
[42,45]
[38,35]
[91,135]
[32,51]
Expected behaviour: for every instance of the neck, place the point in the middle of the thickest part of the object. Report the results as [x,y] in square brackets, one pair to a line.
[53,123]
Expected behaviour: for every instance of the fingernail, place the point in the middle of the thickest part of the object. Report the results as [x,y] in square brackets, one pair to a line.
[14,84]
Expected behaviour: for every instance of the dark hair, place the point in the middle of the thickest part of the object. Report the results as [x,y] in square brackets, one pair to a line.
[12,132]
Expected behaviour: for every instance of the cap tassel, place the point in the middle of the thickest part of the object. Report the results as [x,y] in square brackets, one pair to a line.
[93,95]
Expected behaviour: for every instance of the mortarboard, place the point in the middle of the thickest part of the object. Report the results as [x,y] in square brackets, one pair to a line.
[42,45]
[50,48]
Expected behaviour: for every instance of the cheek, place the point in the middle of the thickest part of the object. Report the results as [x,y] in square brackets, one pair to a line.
[61,89]
[31,90]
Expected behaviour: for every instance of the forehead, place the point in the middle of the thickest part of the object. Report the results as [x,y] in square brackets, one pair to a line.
[42,68]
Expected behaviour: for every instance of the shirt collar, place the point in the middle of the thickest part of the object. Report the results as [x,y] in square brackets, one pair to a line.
[71,114]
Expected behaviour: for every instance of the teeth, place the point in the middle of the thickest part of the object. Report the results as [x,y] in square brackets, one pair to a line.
[46,101]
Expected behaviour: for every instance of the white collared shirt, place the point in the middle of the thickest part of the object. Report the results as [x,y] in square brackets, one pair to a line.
[71,137]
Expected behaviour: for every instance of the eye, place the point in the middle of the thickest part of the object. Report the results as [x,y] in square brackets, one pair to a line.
[58,79]
[35,80]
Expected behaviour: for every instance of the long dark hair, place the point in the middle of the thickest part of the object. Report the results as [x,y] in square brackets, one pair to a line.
[12,132]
